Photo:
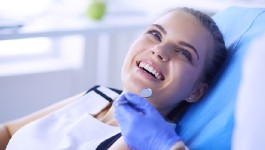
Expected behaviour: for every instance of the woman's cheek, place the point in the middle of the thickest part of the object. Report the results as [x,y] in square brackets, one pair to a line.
[141,45]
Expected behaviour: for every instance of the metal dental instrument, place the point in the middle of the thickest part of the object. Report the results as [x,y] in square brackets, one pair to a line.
[146,92]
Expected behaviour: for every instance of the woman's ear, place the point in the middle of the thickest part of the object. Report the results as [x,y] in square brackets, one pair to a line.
[197,93]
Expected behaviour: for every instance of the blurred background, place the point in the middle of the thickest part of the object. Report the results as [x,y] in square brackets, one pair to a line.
[53,49]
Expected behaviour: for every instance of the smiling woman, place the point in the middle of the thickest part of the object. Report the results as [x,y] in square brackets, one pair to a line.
[162,49]
[172,57]
[175,48]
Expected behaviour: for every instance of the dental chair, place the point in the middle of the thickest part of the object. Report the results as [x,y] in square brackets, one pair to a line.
[209,124]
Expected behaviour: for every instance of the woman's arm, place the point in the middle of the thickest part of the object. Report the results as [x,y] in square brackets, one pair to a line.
[121,144]
[9,128]
[179,146]
[4,137]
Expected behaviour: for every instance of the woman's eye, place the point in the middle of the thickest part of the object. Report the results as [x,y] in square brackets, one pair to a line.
[185,53]
[155,34]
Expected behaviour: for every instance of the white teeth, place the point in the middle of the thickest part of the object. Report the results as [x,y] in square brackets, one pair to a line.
[141,65]
[150,69]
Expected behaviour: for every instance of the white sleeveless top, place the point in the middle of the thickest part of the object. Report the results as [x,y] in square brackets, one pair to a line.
[70,128]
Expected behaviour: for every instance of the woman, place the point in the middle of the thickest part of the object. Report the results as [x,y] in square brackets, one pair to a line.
[177,57]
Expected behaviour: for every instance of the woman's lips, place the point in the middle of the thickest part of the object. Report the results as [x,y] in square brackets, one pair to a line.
[150,69]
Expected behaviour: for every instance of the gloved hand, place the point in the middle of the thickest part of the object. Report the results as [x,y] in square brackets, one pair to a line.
[142,126]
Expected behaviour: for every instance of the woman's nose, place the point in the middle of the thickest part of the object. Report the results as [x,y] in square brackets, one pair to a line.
[160,52]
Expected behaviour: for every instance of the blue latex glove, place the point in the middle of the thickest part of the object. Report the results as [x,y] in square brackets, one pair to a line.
[142,126]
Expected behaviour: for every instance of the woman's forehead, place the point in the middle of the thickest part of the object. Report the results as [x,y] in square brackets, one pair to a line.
[182,23]
[177,16]
[182,26]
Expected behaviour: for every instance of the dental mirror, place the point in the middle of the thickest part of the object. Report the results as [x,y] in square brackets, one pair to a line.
[146,92]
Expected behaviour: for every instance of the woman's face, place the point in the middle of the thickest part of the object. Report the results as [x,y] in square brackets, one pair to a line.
[169,58]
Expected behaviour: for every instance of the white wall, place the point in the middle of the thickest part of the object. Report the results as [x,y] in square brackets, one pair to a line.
[23,94]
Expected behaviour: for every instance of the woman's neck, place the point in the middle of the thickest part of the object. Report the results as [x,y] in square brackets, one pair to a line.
[107,116]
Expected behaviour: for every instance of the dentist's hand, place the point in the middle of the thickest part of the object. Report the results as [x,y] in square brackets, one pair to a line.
[142,126]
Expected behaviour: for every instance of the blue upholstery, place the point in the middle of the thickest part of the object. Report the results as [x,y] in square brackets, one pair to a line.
[208,125]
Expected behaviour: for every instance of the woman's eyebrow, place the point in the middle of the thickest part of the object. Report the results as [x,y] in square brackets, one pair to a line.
[191,47]
[160,28]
